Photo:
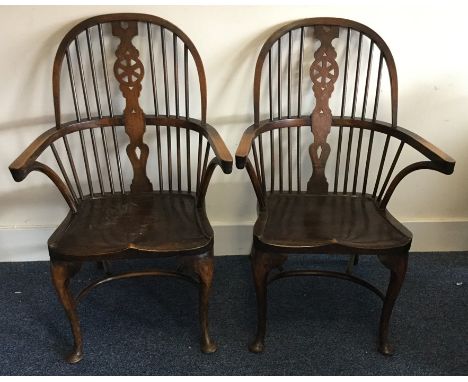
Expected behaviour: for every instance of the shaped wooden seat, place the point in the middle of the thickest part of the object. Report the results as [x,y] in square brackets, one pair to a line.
[133,164]
[327,224]
[322,160]
[142,224]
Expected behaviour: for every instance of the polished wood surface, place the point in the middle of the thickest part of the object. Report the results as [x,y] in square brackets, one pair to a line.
[139,224]
[327,224]
[337,202]
[135,177]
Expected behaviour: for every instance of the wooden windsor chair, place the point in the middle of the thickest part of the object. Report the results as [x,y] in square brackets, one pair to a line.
[129,62]
[347,73]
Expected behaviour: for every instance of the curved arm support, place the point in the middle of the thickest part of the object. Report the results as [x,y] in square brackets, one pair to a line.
[24,164]
[62,187]
[245,146]
[256,184]
[205,181]
[424,165]
[219,148]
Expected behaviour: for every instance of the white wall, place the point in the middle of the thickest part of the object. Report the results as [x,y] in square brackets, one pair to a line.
[429,47]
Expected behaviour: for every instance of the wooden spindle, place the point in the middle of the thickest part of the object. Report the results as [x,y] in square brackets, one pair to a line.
[369,154]
[390,170]
[353,113]
[200,141]
[356,78]
[189,165]
[280,158]
[96,160]
[82,78]
[99,110]
[298,159]
[272,161]
[72,165]
[176,74]
[166,86]
[169,156]
[155,104]
[356,164]
[86,161]
[64,172]
[179,169]
[256,161]
[104,68]
[279,80]
[348,159]
[366,89]
[91,131]
[262,163]
[299,86]
[299,111]
[343,108]
[289,161]
[377,91]
[363,115]
[176,96]
[153,69]
[270,91]
[289,73]
[186,80]
[374,116]
[382,162]
[78,118]
[111,112]
[73,87]
[205,160]
[160,165]
[93,73]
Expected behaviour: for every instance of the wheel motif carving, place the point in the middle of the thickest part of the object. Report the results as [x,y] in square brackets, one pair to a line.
[324,72]
[128,71]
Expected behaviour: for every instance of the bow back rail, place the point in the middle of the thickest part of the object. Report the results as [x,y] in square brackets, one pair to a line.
[130,110]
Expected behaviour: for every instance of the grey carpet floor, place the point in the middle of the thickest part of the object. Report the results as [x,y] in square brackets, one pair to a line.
[316,326]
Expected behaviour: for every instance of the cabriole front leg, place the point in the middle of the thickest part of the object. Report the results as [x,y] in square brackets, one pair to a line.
[398,265]
[62,272]
[262,264]
[204,267]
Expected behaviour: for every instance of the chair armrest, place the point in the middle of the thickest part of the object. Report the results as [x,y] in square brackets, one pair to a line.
[443,162]
[245,145]
[438,160]
[220,150]
[24,164]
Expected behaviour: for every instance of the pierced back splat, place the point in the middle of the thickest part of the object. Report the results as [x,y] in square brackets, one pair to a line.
[324,73]
[129,71]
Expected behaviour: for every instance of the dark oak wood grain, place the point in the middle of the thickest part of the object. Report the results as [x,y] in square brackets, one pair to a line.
[107,221]
[349,218]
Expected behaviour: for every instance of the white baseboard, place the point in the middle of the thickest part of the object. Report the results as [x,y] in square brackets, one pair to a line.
[29,244]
